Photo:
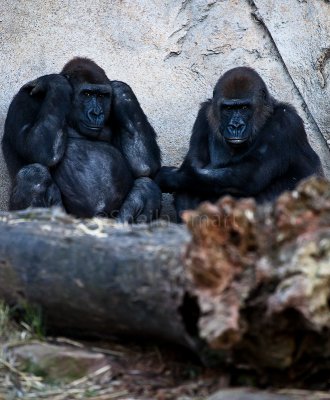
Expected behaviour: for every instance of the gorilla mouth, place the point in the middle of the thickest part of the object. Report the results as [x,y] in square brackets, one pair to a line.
[93,127]
[237,142]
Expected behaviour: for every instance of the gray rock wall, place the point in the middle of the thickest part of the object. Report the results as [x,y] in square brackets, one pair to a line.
[172,52]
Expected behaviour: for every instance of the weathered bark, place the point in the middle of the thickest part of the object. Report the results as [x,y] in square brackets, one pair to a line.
[251,285]
[262,280]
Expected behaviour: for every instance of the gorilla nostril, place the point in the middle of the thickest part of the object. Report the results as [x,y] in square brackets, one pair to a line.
[232,128]
[241,128]
[237,125]
[236,128]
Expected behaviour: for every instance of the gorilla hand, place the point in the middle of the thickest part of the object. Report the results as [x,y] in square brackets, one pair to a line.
[48,82]
[168,179]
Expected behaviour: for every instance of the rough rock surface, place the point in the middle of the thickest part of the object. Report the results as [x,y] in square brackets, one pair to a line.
[252,394]
[172,53]
[308,53]
[57,363]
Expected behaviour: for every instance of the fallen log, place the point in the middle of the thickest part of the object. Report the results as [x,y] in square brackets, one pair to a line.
[249,285]
[96,277]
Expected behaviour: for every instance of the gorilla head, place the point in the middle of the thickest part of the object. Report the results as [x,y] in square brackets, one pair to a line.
[91,101]
[241,105]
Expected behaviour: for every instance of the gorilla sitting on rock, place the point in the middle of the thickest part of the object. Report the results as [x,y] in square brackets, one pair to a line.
[78,140]
[244,143]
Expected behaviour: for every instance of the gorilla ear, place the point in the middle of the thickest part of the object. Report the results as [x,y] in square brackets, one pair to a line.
[67,76]
[264,95]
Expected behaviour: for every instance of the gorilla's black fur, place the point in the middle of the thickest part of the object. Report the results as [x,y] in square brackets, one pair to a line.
[79,140]
[244,143]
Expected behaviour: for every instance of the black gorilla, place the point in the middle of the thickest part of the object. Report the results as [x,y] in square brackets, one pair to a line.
[244,143]
[78,140]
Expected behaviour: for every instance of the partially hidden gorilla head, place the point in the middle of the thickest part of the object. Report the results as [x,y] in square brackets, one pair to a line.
[91,102]
[241,105]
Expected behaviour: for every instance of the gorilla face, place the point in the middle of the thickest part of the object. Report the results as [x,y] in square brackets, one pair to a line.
[235,121]
[241,106]
[90,108]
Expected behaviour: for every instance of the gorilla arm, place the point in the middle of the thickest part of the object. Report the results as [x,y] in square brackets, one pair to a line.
[247,178]
[135,138]
[199,147]
[172,179]
[35,120]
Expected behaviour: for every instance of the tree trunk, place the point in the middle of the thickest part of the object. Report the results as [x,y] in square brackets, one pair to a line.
[249,286]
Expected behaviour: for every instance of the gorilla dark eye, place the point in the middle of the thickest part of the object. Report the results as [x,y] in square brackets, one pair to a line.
[245,107]
[100,95]
[227,108]
[86,93]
